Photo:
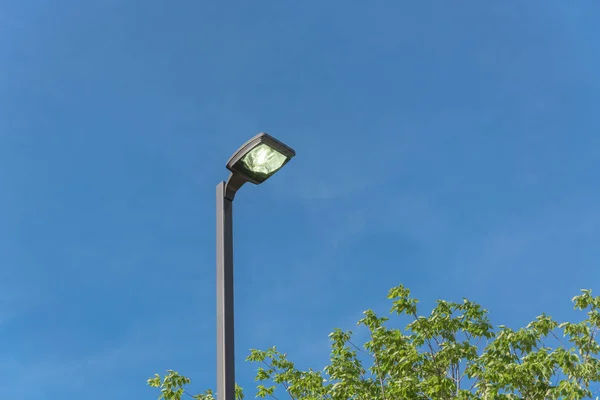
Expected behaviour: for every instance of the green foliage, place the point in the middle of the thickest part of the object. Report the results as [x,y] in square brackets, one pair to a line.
[454,353]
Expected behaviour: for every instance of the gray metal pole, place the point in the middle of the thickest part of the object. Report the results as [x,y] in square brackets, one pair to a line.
[225,320]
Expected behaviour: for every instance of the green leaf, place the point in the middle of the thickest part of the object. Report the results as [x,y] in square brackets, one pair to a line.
[452,353]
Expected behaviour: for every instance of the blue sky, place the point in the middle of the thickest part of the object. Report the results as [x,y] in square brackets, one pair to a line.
[450,147]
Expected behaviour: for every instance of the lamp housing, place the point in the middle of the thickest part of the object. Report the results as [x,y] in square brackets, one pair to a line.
[260,158]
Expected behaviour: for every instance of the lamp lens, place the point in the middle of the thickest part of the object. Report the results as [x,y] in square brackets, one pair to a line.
[263,160]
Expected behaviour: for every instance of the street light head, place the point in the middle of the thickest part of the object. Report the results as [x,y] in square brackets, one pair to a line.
[259,158]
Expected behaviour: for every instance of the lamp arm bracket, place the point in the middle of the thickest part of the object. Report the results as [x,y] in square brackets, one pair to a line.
[234,182]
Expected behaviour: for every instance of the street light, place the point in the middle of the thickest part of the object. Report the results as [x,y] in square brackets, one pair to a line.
[256,161]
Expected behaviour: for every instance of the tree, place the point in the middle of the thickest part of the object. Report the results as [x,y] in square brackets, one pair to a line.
[454,353]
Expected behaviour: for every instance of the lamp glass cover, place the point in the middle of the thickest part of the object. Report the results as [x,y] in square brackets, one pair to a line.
[263,160]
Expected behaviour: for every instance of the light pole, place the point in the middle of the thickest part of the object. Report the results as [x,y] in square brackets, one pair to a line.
[256,161]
